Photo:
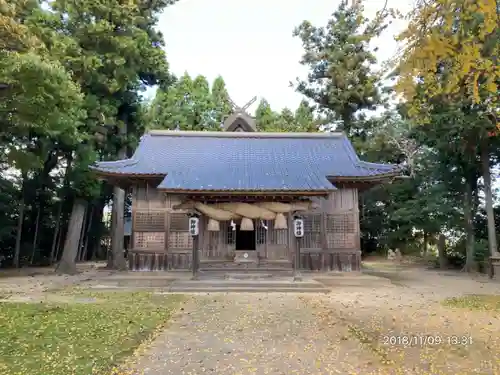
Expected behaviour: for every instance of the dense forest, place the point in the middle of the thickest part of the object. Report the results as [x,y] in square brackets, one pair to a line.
[72,74]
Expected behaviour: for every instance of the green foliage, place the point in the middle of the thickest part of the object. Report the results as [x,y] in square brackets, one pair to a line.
[302,120]
[9,197]
[71,74]
[190,105]
[341,80]
[78,337]
[40,96]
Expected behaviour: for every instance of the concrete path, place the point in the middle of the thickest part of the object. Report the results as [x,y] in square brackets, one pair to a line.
[252,334]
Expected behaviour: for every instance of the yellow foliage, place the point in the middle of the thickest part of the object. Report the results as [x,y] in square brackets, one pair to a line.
[459,37]
[14,35]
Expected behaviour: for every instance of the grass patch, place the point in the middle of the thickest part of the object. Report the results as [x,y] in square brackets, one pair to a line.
[78,338]
[484,302]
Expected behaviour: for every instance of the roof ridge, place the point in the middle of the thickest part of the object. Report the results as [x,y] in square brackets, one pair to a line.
[216,134]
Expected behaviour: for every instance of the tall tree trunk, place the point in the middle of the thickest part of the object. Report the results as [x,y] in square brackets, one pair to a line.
[426,243]
[44,177]
[56,233]
[20,221]
[117,221]
[67,264]
[58,248]
[35,237]
[82,234]
[443,261]
[117,230]
[469,226]
[56,240]
[485,164]
[96,230]
[87,234]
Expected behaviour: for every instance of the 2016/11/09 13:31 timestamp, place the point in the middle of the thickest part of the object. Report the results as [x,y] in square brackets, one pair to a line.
[426,340]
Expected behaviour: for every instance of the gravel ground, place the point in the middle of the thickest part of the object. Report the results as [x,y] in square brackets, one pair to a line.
[32,282]
[401,329]
[340,333]
[252,334]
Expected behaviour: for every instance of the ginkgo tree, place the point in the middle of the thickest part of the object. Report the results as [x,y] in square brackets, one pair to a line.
[450,53]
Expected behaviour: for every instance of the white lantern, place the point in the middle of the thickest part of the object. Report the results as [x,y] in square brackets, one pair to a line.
[298,227]
[194,226]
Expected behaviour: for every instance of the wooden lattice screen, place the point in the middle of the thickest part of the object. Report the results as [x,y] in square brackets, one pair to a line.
[312,231]
[276,236]
[149,240]
[179,237]
[149,221]
[219,244]
[261,230]
[228,233]
[341,231]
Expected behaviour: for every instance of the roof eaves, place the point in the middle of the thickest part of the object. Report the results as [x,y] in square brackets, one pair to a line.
[106,165]
[366,164]
[217,134]
[249,192]
[371,177]
[351,152]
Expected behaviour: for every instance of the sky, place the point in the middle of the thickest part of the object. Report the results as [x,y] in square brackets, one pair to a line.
[250,43]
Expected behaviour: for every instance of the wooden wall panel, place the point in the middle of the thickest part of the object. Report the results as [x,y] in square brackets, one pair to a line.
[312,232]
[149,241]
[149,221]
[277,246]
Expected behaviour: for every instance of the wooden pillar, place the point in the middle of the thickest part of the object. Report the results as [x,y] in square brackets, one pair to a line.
[296,269]
[195,258]
[324,242]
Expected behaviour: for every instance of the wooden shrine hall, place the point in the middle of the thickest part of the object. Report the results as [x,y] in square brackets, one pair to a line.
[245,187]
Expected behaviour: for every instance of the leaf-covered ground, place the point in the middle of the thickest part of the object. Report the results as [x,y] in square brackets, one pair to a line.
[453,323]
[431,323]
[90,335]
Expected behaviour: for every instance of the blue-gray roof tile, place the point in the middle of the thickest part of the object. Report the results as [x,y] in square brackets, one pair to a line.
[245,161]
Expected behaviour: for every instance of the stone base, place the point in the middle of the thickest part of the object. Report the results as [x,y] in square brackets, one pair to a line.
[495,264]
[247,257]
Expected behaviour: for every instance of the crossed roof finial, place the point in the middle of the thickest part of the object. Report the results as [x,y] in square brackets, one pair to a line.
[237,108]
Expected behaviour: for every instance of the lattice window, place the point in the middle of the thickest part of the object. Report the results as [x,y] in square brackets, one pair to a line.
[341,231]
[180,240]
[179,222]
[343,223]
[149,221]
[276,236]
[312,223]
[230,232]
[312,232]
[262,227]
[341,240]
[179,237]
[149,240]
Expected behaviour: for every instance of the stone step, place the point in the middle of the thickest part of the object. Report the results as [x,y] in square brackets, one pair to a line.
[242,273]
[248,276]
[256,270]
[347,280]
[253,289]
[272,284]
[219,289]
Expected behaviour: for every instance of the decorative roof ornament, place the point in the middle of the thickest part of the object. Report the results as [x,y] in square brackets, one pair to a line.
[237,109]
[240,120]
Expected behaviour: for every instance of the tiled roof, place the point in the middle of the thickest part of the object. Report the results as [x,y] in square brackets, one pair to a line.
[220,161]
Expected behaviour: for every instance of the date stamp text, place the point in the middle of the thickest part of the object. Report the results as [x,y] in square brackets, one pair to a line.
[426,340]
